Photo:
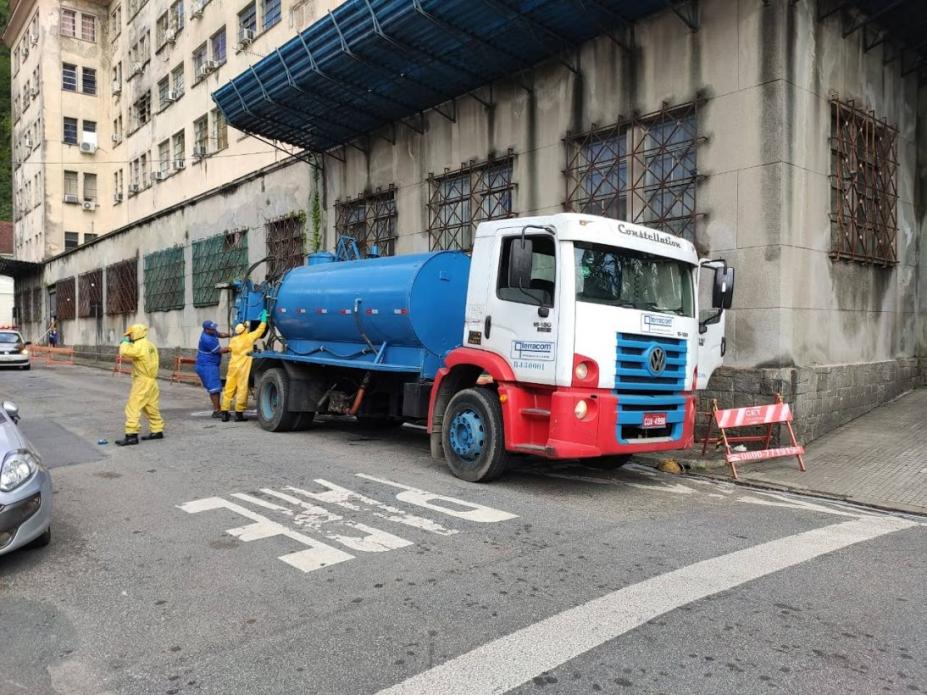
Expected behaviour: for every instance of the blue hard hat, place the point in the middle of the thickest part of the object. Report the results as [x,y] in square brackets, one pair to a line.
[210,325]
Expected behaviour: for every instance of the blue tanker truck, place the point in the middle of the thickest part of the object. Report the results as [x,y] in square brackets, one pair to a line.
[565,337]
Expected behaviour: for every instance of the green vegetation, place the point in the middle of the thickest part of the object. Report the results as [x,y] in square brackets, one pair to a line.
[6,168]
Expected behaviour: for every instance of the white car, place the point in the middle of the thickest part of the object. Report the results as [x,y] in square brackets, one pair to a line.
[14,351]
[25,488]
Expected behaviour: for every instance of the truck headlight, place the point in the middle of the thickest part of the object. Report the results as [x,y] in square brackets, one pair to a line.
[581,409]
[16,469]
[581,371]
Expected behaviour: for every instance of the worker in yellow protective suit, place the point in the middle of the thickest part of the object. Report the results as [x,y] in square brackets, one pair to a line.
[236,379]
[144,394]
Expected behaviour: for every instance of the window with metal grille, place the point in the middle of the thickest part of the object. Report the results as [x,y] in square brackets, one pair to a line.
[643,171]
[458,201]
[122,287]
[247,18]
[65,295]
[37,304]
[70,131]
[369,220]
[270,10]
[864,185]
[24,304]
[286,245]
[220,258]
[71,240]
[88,27]
[90,294]
[220,130]
[68,25]
[89,81]
[69,77]
[217,46]
[164,280]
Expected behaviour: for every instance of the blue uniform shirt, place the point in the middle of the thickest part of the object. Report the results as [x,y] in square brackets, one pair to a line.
[209,352]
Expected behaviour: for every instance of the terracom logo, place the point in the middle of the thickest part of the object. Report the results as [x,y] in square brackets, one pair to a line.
[533,350]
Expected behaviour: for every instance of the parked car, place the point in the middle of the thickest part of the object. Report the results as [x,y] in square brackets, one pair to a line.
[14,351]
[25,488]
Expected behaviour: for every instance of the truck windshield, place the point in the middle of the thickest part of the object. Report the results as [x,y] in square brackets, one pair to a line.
[632,279]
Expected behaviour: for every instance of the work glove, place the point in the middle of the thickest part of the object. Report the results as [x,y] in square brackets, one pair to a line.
[126,339]
[264,316]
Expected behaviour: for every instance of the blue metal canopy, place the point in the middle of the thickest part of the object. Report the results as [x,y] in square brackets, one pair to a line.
[373,62]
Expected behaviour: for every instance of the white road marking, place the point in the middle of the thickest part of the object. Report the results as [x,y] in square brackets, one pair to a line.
[423,498]
[672,488]
[316,556]
[506,663]
[794,503]
[354,501]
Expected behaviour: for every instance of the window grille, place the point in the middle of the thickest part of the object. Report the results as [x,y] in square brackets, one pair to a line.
[220,258]
[247,18]
[369,220]
[89,77]
[90,294]
[66,299]
[69,77]
[286,245]
[122,287]
[70,130]
[24,302]
[164,280]
[458,201]
[37,304]
[68,23]
[643,170]
[88,27]
[270,9]
[864,186]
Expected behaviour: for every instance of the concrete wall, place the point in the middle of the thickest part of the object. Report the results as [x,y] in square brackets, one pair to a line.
[6,301]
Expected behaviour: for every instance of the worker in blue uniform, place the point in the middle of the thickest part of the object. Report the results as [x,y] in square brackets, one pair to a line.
[208,360]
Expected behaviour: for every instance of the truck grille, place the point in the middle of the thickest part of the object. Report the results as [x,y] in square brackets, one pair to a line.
[641,391]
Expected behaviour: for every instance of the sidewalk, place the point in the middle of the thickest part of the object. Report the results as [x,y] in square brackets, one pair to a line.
[879,459]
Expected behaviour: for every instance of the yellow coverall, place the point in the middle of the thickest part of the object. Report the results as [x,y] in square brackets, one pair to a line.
[236,379]
[144,394]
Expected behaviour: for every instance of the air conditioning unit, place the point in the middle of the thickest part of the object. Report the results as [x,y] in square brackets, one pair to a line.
[35,90]
[172,95]
[88,147]
[134,188]
[158,176]
[207,67]
[27,142]
[179,164]
[34,37]
[90,205]
[245,36]
[137,68]
[117,197]
[199,151]
[117,87]
[197,10]
[117,138]
[170,36]
[71,198]
[25,50]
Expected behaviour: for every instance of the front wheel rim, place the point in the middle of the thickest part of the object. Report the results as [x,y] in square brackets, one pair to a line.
[269,400]
[467,435]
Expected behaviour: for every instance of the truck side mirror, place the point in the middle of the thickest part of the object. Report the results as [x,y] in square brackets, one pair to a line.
[520,259]
[723,292]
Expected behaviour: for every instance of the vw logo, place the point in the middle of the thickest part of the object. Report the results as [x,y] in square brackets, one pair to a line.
[657,359]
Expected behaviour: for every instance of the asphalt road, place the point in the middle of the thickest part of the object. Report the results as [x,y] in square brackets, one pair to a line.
[226,559]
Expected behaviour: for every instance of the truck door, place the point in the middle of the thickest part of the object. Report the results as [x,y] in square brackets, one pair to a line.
[715,292]
[521,311]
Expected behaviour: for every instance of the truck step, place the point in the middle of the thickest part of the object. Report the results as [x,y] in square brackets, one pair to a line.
[535,412]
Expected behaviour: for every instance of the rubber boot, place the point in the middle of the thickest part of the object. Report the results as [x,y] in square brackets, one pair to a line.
[153,435]
[240,417]
[217,414]
[225,416]
[130,440]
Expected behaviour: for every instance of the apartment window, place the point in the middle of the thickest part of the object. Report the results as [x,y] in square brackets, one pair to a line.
[164,280]
[164,93]
[285,240]
[68,77]
[90,132]
[199,136]
[68,23]
[70,131]
[270,10]
[217,44]
[301,14]
[89,85]
[141,109]
[199,60]
[117,129]
[71,241]
[143,170]
[117,76]
[460,200]
[176,13]
[864,186]
[164,156]
[90,237]
[220,130]
[161,30]
[660,150]
[180,147]
[35,80]
[177,80]
[115,21]
[133,176]
[369,220]
[90,188]
[88,27]
[70,184]
[247,19]
[117,186]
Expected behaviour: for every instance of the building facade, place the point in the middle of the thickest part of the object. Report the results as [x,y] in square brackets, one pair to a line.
[787,137]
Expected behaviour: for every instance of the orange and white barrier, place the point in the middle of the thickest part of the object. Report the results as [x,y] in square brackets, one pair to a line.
[768,415]
[122,365]
[180,374]
[48,356]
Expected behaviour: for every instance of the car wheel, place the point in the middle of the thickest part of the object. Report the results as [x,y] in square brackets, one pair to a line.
[472,435]
[42,540]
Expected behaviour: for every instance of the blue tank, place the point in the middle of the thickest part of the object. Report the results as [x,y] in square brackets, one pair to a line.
[399,313]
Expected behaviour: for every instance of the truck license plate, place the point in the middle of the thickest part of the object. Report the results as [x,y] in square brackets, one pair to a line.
[654,420]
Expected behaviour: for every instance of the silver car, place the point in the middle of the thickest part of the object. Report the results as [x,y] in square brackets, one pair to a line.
[14,351]
[25,488]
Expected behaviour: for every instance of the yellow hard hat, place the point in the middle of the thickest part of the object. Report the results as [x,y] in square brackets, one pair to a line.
[137,331]
[240,328]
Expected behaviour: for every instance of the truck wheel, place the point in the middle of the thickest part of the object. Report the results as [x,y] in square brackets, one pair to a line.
[273,393]
[607,463]
[303,421]
[472,435]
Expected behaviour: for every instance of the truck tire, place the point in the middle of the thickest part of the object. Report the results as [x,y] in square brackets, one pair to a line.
[607,463]
[473,436]
[273,395]
[303,421]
